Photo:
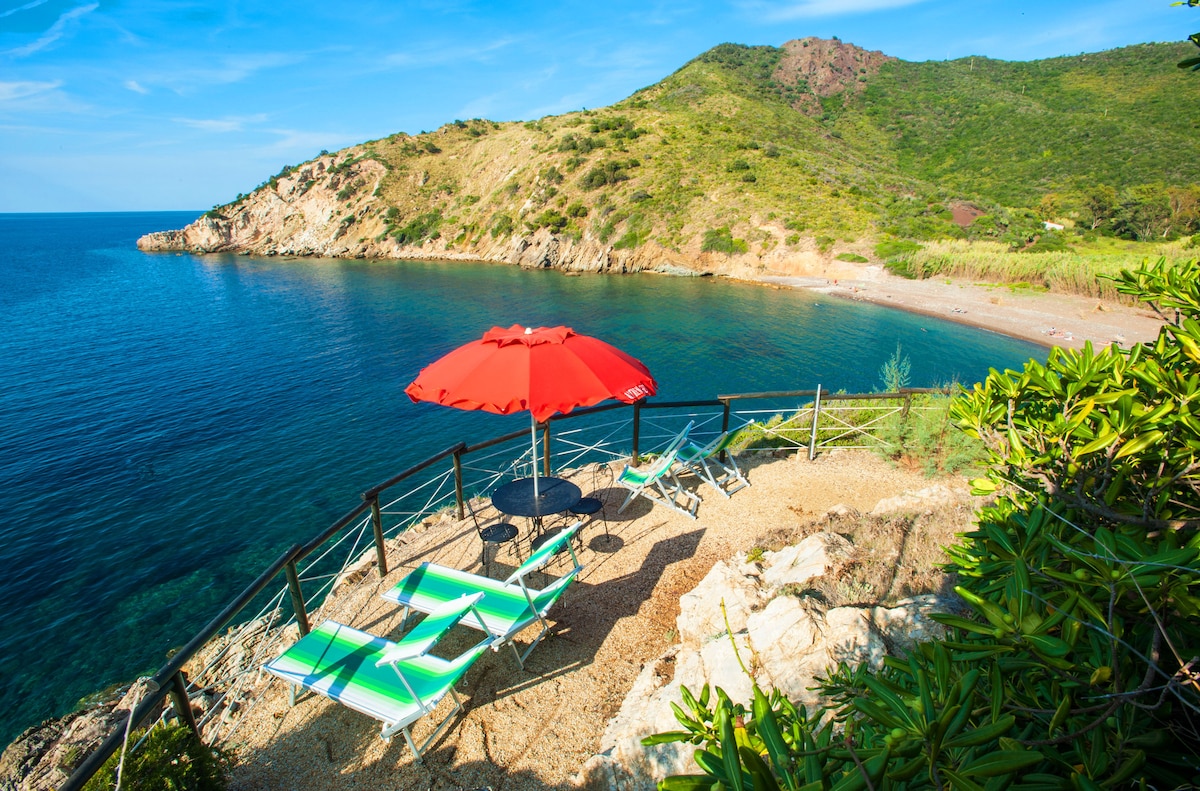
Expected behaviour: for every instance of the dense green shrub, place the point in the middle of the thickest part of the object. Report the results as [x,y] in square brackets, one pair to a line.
[170,758]
[896,371]
[720,240]
[1049,242]
[630,240]
[502,225]
[1077,669]
[611,172]
[853,258]
[549,219]
[417,230]
[584,145]
[895,248]
[927,437]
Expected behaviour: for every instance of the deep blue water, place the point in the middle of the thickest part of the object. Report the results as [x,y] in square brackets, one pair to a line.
[170,423]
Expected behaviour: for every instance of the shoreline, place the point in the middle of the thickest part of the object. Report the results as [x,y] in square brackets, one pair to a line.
[1045,318]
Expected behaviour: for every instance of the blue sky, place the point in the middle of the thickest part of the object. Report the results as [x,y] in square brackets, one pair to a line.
[182,104]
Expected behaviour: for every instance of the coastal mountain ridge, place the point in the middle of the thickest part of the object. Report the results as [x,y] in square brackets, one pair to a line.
[744,158]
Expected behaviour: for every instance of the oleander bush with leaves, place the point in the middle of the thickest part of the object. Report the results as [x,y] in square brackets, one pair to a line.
[1079,666]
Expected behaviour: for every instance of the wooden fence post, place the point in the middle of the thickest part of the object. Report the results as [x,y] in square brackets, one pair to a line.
[546,449]
[458,489]
[293,578]
[724,426]
[377,526]
[637,426]
[183,705]
[812,441]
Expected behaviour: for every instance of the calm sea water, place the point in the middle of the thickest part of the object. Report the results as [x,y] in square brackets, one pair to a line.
[170,423]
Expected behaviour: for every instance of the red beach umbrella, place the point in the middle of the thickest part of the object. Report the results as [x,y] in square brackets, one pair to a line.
[546,370]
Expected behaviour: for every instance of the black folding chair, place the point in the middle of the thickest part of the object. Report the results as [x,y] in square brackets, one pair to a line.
[494,534]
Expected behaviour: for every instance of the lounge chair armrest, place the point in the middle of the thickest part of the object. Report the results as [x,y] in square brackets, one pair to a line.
[544,553]
[427,633]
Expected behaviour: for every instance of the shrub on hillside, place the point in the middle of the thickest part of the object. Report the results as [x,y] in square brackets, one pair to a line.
[551,219]
[417,230]
[895,248]
[720,240]
[502,225]
[611,172]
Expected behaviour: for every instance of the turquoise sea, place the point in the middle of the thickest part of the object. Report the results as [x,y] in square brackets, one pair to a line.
[170,423]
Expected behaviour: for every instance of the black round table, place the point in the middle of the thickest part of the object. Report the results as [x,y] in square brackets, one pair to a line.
[555,495]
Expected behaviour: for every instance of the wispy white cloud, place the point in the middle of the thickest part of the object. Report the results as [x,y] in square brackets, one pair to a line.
[229,124]
[564,104]
[1057,33]
[804,9]
[136,87]
[60,28]
[307,143]
[437,54]
[232,69]
[22,90]
[21,8]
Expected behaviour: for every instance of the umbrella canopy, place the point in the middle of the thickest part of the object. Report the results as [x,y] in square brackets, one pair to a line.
[544,371]
[547,370]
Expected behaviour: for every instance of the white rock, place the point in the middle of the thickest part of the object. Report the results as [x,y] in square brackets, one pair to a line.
[787,644]
[850,638]
[700,617]
[782,634]
[922,500]
[812,557]
[908,622]
[722,669]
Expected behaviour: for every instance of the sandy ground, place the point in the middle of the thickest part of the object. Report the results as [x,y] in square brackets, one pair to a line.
[535,728]
[1045,318]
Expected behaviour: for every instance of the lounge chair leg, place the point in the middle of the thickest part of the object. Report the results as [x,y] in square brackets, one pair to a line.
[517,654]
[412,746]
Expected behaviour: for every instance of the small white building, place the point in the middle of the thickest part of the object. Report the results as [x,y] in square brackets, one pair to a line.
[1052,226]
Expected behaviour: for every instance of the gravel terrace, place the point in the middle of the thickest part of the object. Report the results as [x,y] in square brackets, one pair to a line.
[534,729]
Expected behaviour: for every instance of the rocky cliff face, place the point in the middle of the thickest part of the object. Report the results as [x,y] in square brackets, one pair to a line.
[827,67]
[321,209]
[566,192]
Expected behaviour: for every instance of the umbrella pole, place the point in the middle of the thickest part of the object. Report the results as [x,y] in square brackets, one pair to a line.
[533,437]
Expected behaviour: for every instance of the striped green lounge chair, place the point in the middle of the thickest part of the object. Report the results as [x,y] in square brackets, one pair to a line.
[704,459]
[507,607]
[396,683]
[658,482]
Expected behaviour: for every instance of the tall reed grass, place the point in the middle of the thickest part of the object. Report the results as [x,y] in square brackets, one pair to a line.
[1066,272]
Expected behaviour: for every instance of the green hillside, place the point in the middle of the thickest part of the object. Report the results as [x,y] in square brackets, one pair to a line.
[815,144]
[1011,132]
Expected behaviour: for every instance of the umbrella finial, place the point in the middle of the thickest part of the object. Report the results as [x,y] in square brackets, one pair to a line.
[529,330]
